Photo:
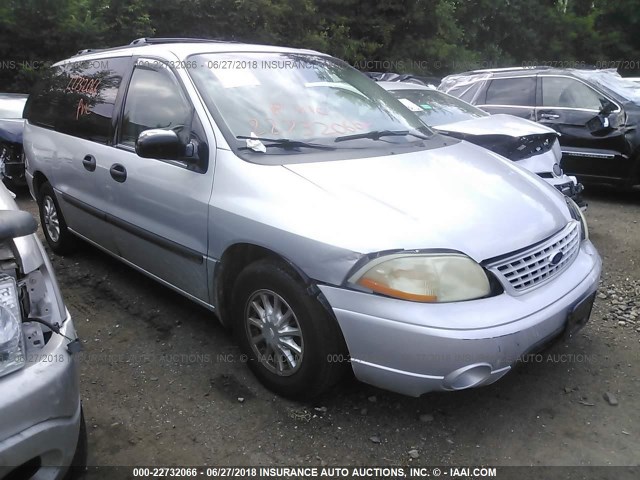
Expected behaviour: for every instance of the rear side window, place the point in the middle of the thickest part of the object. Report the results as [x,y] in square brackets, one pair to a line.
[466,92]
[512,91]
[78,98]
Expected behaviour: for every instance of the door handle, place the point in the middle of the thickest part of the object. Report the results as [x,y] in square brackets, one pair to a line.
[118,172]
[549,116]
[89,163]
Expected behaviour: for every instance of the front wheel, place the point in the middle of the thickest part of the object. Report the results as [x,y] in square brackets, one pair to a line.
[58,236]
[290,339]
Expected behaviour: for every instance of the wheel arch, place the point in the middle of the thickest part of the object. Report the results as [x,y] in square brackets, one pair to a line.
[236,258]
[39,179]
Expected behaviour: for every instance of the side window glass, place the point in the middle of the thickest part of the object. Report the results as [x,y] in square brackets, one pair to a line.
[78,98]
[568,93]
[512,91]
[155,100]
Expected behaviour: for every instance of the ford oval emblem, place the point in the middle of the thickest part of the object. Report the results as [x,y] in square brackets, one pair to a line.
[555,258]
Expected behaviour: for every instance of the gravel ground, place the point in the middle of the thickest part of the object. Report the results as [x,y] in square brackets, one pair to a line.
[163,384]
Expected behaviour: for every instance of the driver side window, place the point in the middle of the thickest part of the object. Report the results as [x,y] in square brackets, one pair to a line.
[154,100]
[569,93]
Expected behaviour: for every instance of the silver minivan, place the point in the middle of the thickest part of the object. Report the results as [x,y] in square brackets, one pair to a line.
[310,210]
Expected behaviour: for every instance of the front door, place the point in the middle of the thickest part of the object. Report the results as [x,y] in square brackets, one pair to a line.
[567,105]
[159,208]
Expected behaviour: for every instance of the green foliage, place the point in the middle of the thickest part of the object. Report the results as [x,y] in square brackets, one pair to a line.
[432,37]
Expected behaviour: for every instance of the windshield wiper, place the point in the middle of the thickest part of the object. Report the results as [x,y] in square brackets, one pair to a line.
[377,134]
[284,143]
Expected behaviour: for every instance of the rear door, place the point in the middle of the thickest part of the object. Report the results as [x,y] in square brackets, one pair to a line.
[566,105]
[77,106]
[159,208]
[511,95]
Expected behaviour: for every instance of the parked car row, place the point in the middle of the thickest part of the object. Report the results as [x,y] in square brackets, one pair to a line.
[317,215]
[533,146]
[595,111]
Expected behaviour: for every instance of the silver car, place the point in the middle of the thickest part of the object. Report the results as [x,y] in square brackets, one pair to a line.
[309,210]
[11,124]
[42,433]
[534,146]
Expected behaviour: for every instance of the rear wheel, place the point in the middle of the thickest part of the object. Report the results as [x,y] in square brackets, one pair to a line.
[58,236]
[293,344]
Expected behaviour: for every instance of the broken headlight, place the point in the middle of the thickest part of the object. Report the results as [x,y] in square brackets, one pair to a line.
[12,356]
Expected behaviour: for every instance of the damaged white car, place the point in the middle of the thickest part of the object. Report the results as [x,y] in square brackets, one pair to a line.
[42,432]
[533,146]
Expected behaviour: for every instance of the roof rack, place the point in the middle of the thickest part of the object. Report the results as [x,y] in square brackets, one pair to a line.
[157,41]
[139,42]
[88,50]
[511,69]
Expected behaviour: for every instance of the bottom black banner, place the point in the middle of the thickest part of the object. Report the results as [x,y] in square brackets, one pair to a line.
[365,472]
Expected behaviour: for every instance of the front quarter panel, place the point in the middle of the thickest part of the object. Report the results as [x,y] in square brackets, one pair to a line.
[248,207]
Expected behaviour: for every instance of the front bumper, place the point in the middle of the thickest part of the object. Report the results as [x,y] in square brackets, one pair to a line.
[40,410]
[413,348]
[569,187]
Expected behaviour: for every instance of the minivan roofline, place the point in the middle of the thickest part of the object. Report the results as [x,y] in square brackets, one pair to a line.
[180,47]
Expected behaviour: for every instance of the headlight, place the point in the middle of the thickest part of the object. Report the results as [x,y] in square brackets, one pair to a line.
[419,277]
[576,214]
[12,355]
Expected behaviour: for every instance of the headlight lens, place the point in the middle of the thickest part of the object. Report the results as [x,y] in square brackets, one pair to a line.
[12,355]
[425,277]
[576,214]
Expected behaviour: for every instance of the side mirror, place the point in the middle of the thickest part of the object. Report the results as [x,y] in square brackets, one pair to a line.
[607,107]
[161,144]
[599,124]
[16,223]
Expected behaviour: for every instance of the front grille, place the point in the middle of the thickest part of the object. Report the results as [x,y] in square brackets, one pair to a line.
[540,263]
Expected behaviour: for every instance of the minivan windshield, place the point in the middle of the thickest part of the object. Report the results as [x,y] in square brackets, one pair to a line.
[301,103]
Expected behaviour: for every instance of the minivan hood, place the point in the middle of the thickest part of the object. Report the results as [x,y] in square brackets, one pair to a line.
[459,197]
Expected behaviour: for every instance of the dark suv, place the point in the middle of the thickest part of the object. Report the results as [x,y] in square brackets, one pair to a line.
[596,111]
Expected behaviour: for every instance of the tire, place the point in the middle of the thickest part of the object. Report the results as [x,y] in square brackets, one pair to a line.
[54,227]
[321,359]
